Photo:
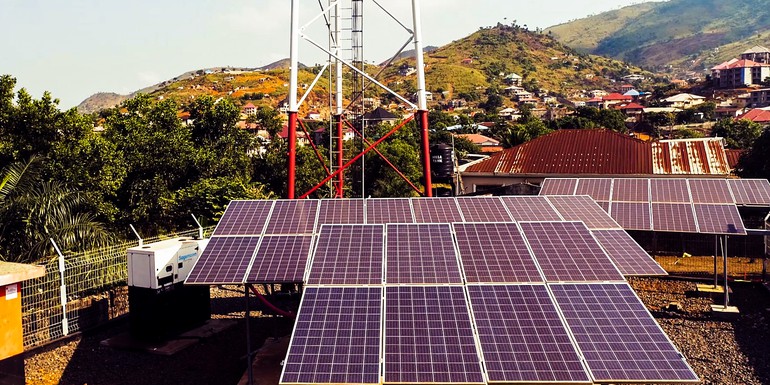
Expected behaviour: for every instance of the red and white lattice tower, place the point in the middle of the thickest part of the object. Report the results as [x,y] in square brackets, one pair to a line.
[344,24]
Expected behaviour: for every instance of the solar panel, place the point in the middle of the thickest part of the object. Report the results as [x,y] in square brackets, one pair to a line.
[348,255]
[632,215]
[750,191]
[710,191]
[675,217]
[428,336]
[566,252]
[598,189]
[719,219]
[531,208]
[483,209]
[495,253]
[618,337]
[383,211]
[292,217]
[340,211]
[244,218]
[669,191]
[628,256]
[421,253]
[604,205]
[436,210]
[280,258]
[630,190]
[583,208]
[556,186]
[224,261]
[336,337]
[523,340]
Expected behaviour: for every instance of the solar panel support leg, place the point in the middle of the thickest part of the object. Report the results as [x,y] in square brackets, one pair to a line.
[716,255]
[249,369]
[727,291]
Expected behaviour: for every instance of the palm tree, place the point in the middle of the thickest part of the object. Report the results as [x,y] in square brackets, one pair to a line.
[32,211]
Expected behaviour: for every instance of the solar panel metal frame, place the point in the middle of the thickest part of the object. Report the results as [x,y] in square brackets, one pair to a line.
[352,327]
[706,225]
[335,220]
[710,191]
[549,270]
[250,276]
[450,202]
[587,313]
[662,188]
[537,328]
[619,211]
[529,212]
[560,185]
[760,196]
[331,281]
[583,208]
[497,254]
[240,269]
[591,186]
[658,225]
[608,239]
[399,280]
[480,212]
[232,209]
[619,187]
[309,226]
[471,336]
[369,215]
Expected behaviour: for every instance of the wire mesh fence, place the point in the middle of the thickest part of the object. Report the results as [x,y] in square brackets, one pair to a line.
[89,291]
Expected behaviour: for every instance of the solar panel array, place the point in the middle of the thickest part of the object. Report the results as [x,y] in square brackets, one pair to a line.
[672,205]
[461,302]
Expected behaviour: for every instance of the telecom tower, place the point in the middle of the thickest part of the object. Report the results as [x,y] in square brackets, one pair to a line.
[344,21]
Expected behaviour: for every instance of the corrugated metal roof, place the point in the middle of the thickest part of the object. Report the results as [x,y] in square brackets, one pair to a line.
[604,152]
[733,156]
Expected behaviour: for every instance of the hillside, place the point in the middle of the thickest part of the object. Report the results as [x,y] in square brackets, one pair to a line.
[693,34]
[463,68]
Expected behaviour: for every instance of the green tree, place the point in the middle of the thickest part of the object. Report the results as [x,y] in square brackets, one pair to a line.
[755,163]
[737,133]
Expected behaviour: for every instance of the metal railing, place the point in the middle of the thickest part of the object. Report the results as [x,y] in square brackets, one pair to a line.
[93,292]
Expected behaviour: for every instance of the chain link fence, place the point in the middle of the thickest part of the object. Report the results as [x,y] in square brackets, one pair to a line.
[91,290]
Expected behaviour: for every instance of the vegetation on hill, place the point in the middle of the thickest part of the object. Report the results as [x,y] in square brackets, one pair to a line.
[690,33]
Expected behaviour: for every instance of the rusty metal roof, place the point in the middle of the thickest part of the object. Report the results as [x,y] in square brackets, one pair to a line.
[733,156]
[605,152]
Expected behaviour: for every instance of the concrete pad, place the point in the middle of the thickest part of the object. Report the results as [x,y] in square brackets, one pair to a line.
[124,341]
[708,290]
[729,313]
[266,366]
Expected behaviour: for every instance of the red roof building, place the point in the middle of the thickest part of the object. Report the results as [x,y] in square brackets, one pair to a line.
[596,152]
[757,115]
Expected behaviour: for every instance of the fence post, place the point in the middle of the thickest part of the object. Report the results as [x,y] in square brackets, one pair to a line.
[62,291]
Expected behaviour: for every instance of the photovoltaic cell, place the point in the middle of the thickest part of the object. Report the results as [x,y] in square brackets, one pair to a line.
[604,205]
[673,217]
[632,215]
[340,211]
[556,186]
[583,208]
[224,261]
[531,208]
[348,255]
[483,209]
[484,261]
[292,217]
[631,190]
[719,219]
[669,190]
[436,210]
[522,337]
[428,336]
[566,252]
[628,256]
[336,338]
[281,258]
[381,211]
[710,191]
[618,337]
[420,253]
[244,218]
[598,189]
[750,191]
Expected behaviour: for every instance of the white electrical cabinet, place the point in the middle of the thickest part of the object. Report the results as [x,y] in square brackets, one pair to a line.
[163,263]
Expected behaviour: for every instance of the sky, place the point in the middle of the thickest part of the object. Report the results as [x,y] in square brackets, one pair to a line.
[76,48]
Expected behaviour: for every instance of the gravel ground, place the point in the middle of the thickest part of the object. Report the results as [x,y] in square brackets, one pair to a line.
[721,352]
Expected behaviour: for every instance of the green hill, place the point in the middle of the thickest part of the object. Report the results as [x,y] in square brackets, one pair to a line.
[686,33]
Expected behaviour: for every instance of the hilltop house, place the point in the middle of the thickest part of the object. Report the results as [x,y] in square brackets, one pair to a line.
[249,109]
[759,98]
[739,73]
[757,115]
[380,115]
[757,54]
[487,144]
[513,79]
[684,101]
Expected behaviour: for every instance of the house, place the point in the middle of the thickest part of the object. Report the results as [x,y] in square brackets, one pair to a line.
[727,112]
[380,115]
[632,109]
[759,98]
[679,83]
[594,153]
[684,101]
[739,73]
[467,61]
[757,54]
[633,78]
[487,144]
[757,115]
[302,139]
[513,79]
[626,87]
[613,99]
[509,113]
[347,134]
[597,93]
[249,109]
[313,115]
